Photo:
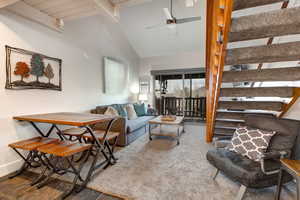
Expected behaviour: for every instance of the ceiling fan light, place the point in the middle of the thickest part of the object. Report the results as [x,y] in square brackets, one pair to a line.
[171,26]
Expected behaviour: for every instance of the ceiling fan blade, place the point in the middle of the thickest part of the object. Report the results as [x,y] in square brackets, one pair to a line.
[168,13]
[157,26]
[186,20]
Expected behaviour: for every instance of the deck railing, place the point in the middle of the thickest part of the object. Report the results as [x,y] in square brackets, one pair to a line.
[194,107]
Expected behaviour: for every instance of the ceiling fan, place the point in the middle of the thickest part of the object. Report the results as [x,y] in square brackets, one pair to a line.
[172,21]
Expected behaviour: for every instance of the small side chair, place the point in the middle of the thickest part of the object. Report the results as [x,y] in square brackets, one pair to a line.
[251,174]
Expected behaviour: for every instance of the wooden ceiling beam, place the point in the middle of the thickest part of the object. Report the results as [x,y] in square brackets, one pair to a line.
[24,10]
[129,3]
[5,3]
[109,8]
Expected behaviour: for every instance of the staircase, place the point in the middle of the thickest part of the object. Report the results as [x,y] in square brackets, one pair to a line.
[227,104]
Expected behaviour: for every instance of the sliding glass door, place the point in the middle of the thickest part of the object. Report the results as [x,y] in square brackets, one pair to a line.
[180,94]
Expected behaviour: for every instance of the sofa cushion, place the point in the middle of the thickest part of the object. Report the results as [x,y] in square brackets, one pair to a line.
[287,130]
[243,170]
[140,109]
[131,112]
[250,142]
[137,123]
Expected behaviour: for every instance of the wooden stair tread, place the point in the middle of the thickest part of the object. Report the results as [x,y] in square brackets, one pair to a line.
[224,127]
[263,75]
[64,148]
[224,131]
[251,105]
[100,135]
[239,115]
[243,4]
[263,54]
[229,122]
[264,26]
[32,143]
[283,92]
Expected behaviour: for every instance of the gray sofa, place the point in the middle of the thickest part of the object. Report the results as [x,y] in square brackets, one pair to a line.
[130,129]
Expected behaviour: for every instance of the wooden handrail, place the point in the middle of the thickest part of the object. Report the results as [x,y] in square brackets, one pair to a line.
[294,99]
[217,31]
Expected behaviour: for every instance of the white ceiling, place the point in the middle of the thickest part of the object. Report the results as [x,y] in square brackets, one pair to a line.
[160,42]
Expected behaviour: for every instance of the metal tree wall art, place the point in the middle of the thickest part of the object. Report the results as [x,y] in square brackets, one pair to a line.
[37,66]
[22,70]
[31,70]
[49,73]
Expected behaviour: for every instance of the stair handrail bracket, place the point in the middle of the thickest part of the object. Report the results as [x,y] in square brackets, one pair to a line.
[217,31]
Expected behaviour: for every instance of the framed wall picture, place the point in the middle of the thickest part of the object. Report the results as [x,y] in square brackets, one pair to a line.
[144,84]
[30,70]
[115,76]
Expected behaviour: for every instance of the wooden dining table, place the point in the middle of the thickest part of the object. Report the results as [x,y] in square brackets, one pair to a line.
[81,120]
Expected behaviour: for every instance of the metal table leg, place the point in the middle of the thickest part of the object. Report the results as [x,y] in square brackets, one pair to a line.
[150,136]
[278,191]
[41,132]
[178,135]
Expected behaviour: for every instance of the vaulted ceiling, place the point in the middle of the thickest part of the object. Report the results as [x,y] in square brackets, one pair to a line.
[133,17]
[162,41]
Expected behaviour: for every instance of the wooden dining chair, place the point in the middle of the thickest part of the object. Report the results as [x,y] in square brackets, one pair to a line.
[30,145]
[56,153]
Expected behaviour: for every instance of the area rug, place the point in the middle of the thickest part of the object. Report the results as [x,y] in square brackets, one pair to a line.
[161,170]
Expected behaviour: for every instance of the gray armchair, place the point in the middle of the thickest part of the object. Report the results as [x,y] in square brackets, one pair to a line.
[251,174]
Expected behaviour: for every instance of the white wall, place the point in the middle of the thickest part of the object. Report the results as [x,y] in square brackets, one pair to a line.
[81,47]
[177,61]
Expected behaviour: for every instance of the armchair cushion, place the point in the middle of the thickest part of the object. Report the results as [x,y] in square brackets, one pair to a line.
[250,142]
[243,170]
[287,130]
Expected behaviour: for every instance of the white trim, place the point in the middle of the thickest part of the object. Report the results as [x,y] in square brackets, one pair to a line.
[10,167]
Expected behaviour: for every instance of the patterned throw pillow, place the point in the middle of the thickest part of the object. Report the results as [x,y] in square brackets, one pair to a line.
[111,111]
[250,142]
[121,110]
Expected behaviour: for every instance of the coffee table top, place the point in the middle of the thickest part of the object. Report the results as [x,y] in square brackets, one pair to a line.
[66,118]
[158,120]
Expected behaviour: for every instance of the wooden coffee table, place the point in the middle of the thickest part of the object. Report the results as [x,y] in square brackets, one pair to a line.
[174,130]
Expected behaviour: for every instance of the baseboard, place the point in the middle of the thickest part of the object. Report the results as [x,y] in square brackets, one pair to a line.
[10,168]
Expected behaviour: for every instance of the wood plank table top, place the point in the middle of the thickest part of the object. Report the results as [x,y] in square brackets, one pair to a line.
[158,120]
[66,118]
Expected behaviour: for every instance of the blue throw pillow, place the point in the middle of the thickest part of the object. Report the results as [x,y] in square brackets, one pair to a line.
[140,109]
[120,110]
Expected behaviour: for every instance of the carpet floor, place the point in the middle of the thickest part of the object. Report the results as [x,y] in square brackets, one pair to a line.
[161,170]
